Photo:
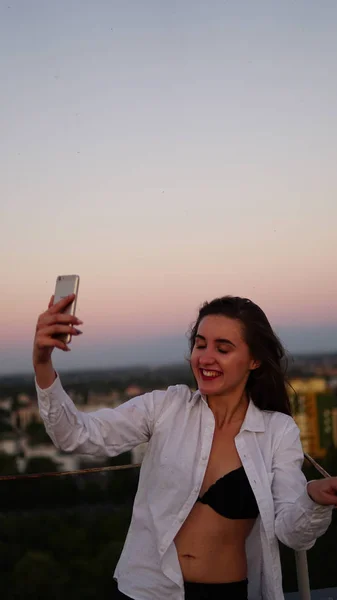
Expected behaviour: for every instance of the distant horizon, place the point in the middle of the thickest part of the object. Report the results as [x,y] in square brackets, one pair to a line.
[163,365]
[157,351]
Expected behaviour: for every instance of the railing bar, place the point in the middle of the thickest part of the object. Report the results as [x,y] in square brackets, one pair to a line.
[63,473]
[317,466]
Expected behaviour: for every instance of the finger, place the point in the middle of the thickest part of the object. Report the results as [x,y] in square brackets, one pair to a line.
[57,329]
[49,342]
[51,301]
[62,304]
[48,319]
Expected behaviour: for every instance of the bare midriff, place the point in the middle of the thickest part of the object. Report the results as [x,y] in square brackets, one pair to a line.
[211,548]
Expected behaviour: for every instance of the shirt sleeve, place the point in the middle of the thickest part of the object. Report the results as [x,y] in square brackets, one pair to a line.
[299,521]
[105,432]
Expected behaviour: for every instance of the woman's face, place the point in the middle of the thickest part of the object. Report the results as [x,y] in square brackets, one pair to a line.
[220,360]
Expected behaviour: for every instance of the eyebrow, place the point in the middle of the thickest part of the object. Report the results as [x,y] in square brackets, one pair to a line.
[218,340]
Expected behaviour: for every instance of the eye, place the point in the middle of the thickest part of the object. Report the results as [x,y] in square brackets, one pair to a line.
[199,347]
[222,351]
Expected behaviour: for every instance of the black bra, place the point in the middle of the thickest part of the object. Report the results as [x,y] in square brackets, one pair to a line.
[231,496]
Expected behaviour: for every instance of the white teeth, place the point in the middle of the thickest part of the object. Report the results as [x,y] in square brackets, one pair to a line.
[209,373]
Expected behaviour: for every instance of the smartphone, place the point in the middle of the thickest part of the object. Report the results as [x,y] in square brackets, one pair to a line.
[66,285]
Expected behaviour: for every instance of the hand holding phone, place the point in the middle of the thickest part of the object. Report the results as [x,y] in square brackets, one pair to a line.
[57,324]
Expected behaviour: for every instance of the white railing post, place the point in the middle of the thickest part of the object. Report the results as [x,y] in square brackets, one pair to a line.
[302,572]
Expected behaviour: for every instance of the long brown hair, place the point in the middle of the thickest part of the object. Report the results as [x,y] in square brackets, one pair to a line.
[266,385]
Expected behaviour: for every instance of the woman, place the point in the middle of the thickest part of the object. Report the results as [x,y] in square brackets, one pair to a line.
[221,481]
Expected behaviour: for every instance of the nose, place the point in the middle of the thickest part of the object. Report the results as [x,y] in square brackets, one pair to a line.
[207,358]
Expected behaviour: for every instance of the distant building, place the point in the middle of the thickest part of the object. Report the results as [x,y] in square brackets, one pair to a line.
[316,417]
[133,390]
[8,444]
[24,415]
[6,404]
[45,450]
[23,399]
[110,400]
[309,385]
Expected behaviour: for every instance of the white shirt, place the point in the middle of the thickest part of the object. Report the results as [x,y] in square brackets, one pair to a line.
[178,426]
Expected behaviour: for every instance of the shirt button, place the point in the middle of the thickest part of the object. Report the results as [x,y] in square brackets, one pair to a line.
[204,457]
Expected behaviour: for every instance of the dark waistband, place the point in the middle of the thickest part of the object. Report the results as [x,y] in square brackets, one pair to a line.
[212,591]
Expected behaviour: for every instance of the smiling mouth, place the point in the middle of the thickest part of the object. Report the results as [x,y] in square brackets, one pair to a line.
[209,374]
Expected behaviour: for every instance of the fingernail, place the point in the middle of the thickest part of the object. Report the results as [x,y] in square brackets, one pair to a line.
[79,322]
[78,331]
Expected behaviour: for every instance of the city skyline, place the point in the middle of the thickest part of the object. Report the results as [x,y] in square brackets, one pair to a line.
[168,155]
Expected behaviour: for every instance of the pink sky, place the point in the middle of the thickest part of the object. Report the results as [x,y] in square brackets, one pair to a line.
[202,162]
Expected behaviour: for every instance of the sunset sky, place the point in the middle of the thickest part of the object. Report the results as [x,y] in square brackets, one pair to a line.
[167,152]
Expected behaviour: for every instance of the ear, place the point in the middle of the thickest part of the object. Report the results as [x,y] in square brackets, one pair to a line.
[255,364]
